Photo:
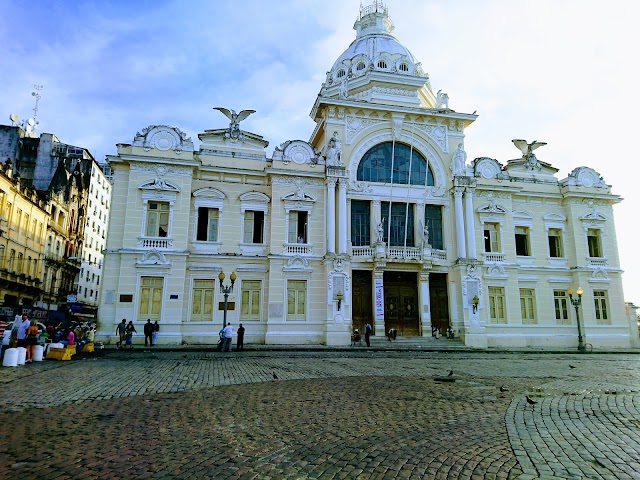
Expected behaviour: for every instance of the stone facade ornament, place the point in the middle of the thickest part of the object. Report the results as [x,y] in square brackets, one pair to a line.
[527,152]
[153,257]
[235,119]
[163,138]
[333,152]
[442,100]
[459,162]
[585,177]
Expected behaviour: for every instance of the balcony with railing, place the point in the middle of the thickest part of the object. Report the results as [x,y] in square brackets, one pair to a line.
[157,243]
[398,253]
[298,249]
[494,257]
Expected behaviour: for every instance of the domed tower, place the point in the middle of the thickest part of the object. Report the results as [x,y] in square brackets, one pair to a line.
[376,59]
[394,162]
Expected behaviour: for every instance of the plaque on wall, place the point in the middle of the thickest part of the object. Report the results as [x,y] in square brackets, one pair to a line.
[126,298]
[230,306]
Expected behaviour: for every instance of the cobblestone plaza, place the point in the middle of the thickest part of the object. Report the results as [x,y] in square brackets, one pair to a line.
[329,414]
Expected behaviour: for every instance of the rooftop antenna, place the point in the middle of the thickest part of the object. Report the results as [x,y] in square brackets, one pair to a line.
[38,97]
[14,119]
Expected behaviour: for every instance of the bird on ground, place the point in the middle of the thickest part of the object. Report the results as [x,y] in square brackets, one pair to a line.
[275,377]
[503,389]
[530,401]
[450,373]
[571,366]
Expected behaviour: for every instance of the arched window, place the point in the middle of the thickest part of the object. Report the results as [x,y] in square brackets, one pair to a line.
[375,166]
[382,64]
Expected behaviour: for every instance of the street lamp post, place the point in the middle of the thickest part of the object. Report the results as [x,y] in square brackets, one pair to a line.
[576,304]
[226,290]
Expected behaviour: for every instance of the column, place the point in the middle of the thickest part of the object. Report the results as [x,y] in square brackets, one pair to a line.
[425,301]
[342,216]
[331,215]
[459,223]
[469,217]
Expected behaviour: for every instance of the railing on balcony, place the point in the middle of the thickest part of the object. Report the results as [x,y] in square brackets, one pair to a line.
[405,253]
[597,262]
[492,257]
[439,255]
[297,249]
[362,252]
[155,242]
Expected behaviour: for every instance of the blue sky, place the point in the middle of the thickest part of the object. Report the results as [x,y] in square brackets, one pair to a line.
[559,72]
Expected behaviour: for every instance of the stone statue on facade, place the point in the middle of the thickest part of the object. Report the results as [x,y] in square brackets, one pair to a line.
[236,118]
[442,100]
[459,162]
[380,232]
[527,151]
[344,88]
[425,235]
[333,153]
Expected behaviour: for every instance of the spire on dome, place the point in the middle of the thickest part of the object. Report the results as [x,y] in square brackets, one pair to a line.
[373,19]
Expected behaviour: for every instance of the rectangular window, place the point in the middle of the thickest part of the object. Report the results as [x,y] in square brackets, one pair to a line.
[555,243]
[401,221]
[496,305]
[602,312]
[207,224]
[561,304]
[360,223]
[433,221]
[298,227]
[250,294]
[522,242]
[492,237]
[157,219]
[528,305]
[253,226]
[150,298]
[296,299]
[202,300]
[593,241]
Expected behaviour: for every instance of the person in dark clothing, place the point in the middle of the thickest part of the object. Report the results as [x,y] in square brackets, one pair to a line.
[367,333]
[240,341]
[148,333]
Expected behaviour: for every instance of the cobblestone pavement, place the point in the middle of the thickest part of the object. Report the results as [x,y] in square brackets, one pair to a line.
[364,415]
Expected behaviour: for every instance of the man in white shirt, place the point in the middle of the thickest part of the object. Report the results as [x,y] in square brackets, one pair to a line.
[228,335]
[22,331]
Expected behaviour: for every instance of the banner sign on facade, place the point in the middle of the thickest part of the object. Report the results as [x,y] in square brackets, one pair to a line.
[379,298]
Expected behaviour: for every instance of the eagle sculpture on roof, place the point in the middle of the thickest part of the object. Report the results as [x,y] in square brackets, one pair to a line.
[527,151]
[236,118]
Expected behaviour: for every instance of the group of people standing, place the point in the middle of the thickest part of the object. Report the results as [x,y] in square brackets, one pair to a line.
[28,336]
[226,338]
[126,330]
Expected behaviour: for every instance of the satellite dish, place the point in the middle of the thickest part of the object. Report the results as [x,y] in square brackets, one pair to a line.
[31,122]
[14,118]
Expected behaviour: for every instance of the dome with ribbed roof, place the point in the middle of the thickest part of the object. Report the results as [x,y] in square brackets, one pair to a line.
[374,49]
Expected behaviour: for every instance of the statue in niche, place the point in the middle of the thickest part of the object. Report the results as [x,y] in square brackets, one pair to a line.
[459,162]
[333,153]
[380,232]
[425,234]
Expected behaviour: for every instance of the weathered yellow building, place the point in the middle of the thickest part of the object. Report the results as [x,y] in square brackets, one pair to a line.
[378,218]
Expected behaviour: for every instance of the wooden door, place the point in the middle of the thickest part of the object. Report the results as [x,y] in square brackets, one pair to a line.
[362,300]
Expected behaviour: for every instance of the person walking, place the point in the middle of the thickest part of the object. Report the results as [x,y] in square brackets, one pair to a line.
[22,331]
[240,339]
[31,340]
[148,333]
[121,331]
[367,333]
[156,329]
[129,334]
[228,337]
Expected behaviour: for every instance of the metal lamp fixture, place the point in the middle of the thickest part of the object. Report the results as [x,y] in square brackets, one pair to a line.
[576,304]
[475,302]
[226,290]
[339,297]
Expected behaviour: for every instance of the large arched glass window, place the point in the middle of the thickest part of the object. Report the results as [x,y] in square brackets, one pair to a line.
[375,166]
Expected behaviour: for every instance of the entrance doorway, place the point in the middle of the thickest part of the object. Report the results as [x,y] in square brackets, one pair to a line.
[401,303]
[362,300]
[439,301]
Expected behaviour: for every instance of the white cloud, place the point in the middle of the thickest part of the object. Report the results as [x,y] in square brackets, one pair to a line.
[560,72]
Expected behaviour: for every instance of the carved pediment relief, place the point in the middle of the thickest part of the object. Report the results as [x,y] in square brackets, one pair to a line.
[209,192]
[585,177]
[492,207]
[593,216]
[554,217]
[153,258]
[159,184]
[254,197]
[299,196]
[488,168]
[163,138]
[297,264]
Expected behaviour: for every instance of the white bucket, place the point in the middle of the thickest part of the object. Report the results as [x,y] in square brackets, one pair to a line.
[10,358]
[38,353]
[22,355]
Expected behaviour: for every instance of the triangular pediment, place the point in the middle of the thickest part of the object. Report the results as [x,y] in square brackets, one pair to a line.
[159,184]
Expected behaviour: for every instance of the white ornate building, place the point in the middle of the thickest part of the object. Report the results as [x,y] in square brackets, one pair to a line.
[379,217]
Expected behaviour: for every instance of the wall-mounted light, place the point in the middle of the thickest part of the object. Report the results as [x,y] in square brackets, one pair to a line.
[339,297]
[475,302]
